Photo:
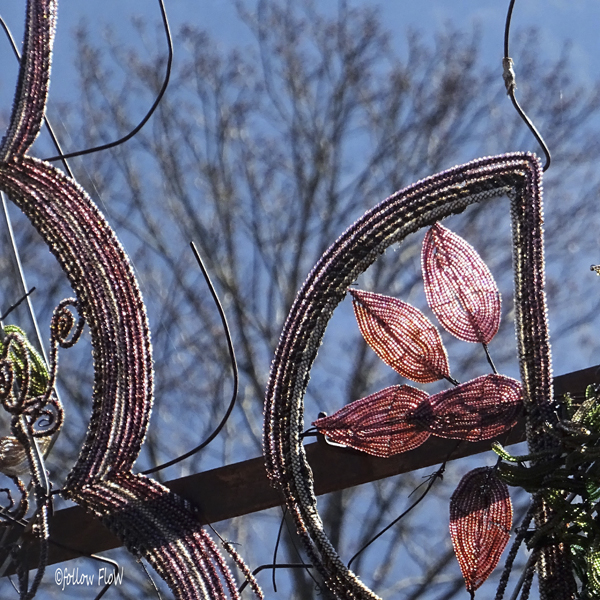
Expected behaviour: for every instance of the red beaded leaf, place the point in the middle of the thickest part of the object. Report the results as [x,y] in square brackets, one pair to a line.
[402,336]
[381,424]
[480,523]
[459,287]
[479,409]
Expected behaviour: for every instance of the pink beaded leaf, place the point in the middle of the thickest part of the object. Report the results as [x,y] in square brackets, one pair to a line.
[479,409]
[480,523]
[459,287]
[381,424]
[402,336]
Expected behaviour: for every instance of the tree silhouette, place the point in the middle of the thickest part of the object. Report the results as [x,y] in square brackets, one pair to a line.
[263,156]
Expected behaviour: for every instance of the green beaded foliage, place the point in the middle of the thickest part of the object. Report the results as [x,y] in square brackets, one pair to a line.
[38,373]
[568,478]
[592,559]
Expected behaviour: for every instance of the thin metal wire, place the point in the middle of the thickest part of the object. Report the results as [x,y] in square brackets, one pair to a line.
[141,563]
[432,479]
[280,566]
[234,367]
[154,106]
[510,83]
[22,276]
[16,304]
[451,380]
[109,561]
[277,548]
[489,358]
[511,6]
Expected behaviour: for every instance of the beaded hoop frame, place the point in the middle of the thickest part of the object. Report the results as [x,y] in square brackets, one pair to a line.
[422,204]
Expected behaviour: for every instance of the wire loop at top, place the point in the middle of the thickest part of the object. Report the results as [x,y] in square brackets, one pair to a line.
[508,74]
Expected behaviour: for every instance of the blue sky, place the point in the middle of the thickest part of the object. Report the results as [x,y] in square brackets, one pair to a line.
[559,20]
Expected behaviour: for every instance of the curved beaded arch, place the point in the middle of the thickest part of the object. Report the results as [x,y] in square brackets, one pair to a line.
[152,521]
[420,205]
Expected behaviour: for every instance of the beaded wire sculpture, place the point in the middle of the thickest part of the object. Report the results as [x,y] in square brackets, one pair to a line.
[157,524]
[152,521]
[517,176]
[463,294]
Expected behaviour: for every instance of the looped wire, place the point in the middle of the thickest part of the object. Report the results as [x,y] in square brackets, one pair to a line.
[508,74]
[49,421]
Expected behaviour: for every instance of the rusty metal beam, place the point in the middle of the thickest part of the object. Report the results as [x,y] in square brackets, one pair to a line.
[243,488]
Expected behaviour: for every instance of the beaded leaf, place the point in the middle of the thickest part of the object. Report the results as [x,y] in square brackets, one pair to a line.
[480,523]
[38,373]
[459,287]
[479,409]
[402,336]
[381,424]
